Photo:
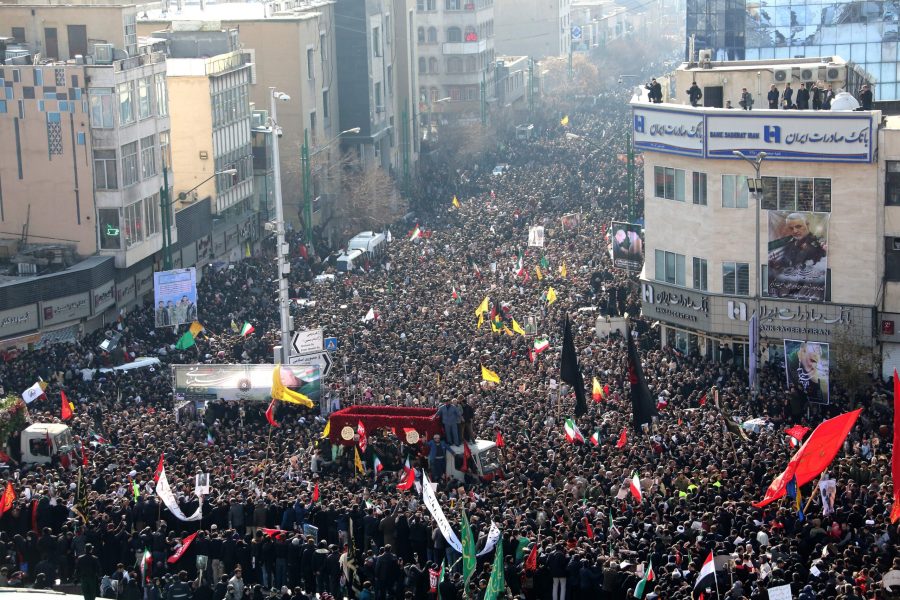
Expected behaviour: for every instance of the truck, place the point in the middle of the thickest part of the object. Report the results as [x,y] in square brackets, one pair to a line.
[410,425]
[373,244]
[40,442]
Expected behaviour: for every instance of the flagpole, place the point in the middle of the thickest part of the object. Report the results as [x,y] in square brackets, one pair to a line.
[715,577]
[813,493]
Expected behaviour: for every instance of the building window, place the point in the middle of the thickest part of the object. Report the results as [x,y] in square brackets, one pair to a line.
[313,125]
[162,95]
[323,49]
[110,232]
[387,29]
[310,64]
[699,189]
[734,191]
[423,65]
[376,41]
[432,35]
[803,193]
[454,65]
[668,183]
[165,149]
[452,4]
[700,282]
[454,34]
[148,157]
[325,112]
[892,183]
[420,5]
[133,225]
[144,101]
[151,214]
[389,87]
[129,164]
[18,34]
[892,259]
[433,65]
[126,103]
[379,104]
[420,35]
[105,170]
[431,5]
[102,108]
[670,267]
[736,278]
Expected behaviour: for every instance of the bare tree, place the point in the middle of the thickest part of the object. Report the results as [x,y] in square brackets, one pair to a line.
[368,200]
[852,362]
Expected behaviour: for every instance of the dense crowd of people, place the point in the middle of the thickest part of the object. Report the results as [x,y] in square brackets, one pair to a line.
[288,517]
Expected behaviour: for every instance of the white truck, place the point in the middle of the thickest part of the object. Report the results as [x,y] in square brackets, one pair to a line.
[40,442]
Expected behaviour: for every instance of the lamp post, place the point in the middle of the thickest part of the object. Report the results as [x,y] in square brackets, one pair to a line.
[281,247]
[305,157]
[630,158]
[754,186]
[165,204]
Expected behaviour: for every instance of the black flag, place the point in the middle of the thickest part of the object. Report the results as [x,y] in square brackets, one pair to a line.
[641,403]
[569,371]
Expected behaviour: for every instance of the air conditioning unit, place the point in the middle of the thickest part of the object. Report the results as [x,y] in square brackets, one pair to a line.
[103,54]
[705,56]
[895,244]
[808,74]
[835,73]
[781,75]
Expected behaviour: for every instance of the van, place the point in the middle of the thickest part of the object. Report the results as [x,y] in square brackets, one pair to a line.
[138,363]
[349,260]
[372,243]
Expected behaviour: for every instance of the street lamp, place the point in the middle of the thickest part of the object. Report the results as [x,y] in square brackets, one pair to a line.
[754,186]
[165,204]
[281,247]
[307,176]
[630,156]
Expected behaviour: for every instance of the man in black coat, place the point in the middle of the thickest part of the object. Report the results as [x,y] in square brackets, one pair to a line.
[387,568]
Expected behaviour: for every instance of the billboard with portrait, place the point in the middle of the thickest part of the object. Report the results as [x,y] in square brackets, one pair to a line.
[627,246]
[175,297]
[243,382]
[798,255]
[806,369]
[536,236]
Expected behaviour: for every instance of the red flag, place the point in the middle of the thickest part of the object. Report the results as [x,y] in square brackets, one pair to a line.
[159,467]
[4,457]
[34,527]
[499,440]
[531,561]
[7,499]
[276,533]
[467,454]
[623,438]
[363,439]
[66,407]
[409,477]
[895,458]
[588,529]
[270,414]
[796,434]
[814,455]
[185,544]
[703,400]
[315,496]
[84,455]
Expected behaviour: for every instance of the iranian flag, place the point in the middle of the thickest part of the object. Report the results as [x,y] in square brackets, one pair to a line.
[541,344]
[409,477]
[572,433]
[635,485]
[146,564]
[247,329]
[377,465]
[623,438]
[455,296]
[416,233]
[595,438]
[641,587]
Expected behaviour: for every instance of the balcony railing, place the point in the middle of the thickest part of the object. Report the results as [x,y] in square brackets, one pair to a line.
[465,47]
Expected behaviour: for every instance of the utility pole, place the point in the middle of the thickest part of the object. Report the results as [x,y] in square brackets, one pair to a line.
[281,246]
[307,192]
[631,201]
[405,147]
[164,205]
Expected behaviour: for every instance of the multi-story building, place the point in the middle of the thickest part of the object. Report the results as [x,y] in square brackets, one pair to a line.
[456,57]
[865,34]
[293,46]
[805,239]
[88,123]
[535,28]
[209,95]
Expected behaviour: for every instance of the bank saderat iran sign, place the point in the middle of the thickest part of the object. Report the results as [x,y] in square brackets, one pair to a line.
[795,135]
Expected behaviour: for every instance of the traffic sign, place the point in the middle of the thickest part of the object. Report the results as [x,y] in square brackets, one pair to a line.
[576,32]
[331,344]
[321,359]
[306,342]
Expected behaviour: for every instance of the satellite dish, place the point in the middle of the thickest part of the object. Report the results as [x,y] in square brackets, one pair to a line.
[844,101]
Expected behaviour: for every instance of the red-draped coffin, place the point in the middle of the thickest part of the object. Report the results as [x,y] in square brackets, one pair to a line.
[396,418]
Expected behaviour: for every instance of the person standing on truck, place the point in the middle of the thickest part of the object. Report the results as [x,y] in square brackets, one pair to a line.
[437,457]
[451,417]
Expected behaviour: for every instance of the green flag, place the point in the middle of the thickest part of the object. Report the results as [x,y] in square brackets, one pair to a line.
[649,575]
[441,577]
[497,582]
[545,263]
[185,342]
[468,552]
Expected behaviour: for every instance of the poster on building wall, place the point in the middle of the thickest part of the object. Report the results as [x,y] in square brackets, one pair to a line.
[806,369]
[175,297]
[798,255]
[627,246]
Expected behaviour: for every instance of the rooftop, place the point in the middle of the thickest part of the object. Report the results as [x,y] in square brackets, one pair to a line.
[237,11]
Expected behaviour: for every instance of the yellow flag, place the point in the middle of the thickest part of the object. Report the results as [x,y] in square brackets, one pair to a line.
[480,320]
[494,327]
[196,328]
[455,202]
[507,331]
[564,121]
[489,375]
[327,430]
[518,328]
[537,271]
[596,390]
[483,307]
[280,392]
[562,270]
[551,296]
[357,461]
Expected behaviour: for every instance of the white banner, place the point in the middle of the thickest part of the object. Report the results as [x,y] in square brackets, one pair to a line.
[493,536]
[431,503]
[536,236]
[168,498]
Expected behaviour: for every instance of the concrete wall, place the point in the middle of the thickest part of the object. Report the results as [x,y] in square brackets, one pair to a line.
[103,24]
[536,28]
[191,110]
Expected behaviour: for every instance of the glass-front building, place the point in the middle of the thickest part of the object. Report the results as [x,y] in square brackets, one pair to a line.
[866,33]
